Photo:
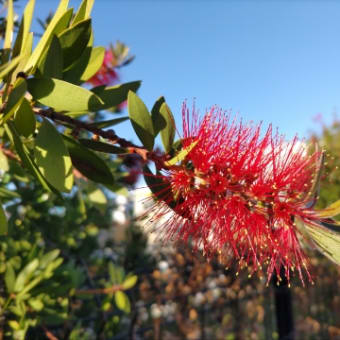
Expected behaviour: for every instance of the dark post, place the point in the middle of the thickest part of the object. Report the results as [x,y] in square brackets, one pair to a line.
[283,307]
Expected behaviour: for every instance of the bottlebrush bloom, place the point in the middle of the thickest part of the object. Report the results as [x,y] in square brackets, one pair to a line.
[240,193]
[107,74]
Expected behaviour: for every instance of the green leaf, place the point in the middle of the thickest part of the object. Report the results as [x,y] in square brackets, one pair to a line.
[52,157]
[111,122]
[326,239]
[88,163]
[116,273]
[74,40]
[115,95]
[14,98]
[157,119]
[129,282]
[51,64]
[94,63]
[24,28]
[24,119]
[24,155]
[63,96]
[160,188]
[3,221]
[331,211]
[122,301]
[9,277]
[5,69]
[102,147]
[3,162]
[9,26]
[83,12]
[168,132]
[98,199]
[8,194]
[86,66]
[47,258]
[313,193]
[36,304]
[59,21]
[141,120]
[25,275]
[181,155]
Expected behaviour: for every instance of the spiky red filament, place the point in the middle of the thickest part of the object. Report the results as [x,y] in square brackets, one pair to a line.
[238,192]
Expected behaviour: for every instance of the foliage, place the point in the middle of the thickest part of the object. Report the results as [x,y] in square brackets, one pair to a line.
[61,166]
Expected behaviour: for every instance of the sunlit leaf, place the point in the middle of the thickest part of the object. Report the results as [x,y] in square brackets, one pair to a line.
[25,274]
[181,155]
[141,120]
[60,15]
[122,301]
[52,157]
[63,96]
[24,28]
[129,282]
[24,119]
[3,221]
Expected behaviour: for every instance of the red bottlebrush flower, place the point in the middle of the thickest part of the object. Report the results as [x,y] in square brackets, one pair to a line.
[239,193]
[107,75]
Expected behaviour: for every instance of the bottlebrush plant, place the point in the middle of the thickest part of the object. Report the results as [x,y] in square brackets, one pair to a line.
[224,185]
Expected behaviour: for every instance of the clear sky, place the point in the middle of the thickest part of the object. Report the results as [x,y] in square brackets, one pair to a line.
[271,61]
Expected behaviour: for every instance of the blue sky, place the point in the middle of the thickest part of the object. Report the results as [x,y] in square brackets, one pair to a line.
[271,61]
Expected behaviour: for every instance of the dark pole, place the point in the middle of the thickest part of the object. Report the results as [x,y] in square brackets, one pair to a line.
[283,307]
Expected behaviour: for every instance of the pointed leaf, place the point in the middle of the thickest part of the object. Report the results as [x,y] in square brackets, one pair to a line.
[83,12]
[157,119]
[3,221]
[5,69]
[62,96]
[111,122]
[168,132]
[74,40]
[25,274]
[52,157]
[86,66]
[160,188]
[129,282]
[24,155]
[24,28]
[330,211]
[59,17]
[313,193]
[9,26]
[326,240]
[9,277]
[98,199]
[3,162]
[141,120]
[115,95]
[181,155]
[122,301]
[51,64]
[14,99]
[102,147]
[24,119]
[88,163]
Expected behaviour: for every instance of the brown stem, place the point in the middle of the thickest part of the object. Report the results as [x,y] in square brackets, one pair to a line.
[79,125]
[108,290]
[107,134]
